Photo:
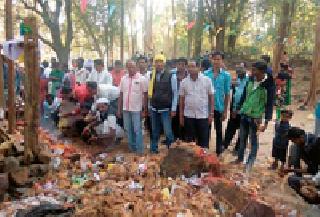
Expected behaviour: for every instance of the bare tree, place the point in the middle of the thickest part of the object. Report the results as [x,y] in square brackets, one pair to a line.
[59,42]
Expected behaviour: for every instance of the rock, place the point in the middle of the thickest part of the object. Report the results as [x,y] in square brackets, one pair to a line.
[11,164]
[257,208]
[20,177]
[38,170]
[44,157]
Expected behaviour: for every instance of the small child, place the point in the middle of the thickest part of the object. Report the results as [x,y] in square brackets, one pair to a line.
[280,140]
[48,109]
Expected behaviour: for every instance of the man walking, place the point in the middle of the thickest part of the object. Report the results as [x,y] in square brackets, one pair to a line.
[133,102]
[221,81]
[196,97]
[163,99]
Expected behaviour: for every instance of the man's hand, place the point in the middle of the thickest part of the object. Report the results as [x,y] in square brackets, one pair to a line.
[144,114]
[210,119]
[181,120]
[173,114]
[262,128]
[234,114]
[224,115]
[119,114]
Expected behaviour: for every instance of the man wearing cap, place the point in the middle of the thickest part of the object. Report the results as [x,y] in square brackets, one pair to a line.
[234,122]
[117,73]
[103,126]
[99,75]
[253,108]
[133,103]
[163,96]
[221,81]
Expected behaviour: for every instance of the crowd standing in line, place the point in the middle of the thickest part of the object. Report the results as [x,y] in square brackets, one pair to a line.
[180,99]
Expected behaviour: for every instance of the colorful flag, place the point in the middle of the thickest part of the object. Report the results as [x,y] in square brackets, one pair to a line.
[83,6]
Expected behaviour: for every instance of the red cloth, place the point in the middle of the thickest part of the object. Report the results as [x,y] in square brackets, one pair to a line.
[116,77]
[80,92]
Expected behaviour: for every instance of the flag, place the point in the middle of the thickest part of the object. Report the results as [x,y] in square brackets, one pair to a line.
[191,25]
[83,6]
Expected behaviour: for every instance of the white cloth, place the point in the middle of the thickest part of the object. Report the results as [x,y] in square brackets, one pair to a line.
[102,100]
[12,48]
[47,72]
[103,77]
[81,75]
[106,126]
[108,91]
[196,103]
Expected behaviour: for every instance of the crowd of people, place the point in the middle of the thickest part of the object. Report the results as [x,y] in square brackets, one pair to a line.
[180,99]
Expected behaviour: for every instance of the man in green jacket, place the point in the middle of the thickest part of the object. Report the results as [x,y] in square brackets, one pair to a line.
[252,111]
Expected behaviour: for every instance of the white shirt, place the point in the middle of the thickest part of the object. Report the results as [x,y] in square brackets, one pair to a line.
[81,75]
[196,104]
[106,126]
[103,77]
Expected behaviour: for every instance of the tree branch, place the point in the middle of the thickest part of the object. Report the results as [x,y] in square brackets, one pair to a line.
[47,42]
[68,11]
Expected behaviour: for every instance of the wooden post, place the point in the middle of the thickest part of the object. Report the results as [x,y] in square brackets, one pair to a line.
[2,103]
[32,90]
[11,74]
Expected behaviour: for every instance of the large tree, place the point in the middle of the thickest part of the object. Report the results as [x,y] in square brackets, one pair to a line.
[315,80]
[61,34]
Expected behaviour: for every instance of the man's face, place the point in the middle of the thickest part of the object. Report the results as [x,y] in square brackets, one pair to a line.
[159,65]
[99,68]
[117,68]
[92,91]
[217,61]
[193,69]
[131,67]
[181,67]
[259,75]
[102,107]
[74,63]
[298,141]
[142,64]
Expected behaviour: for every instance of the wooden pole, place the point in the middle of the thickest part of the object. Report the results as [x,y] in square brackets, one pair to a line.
[2,103]
[11,74]
[32,90]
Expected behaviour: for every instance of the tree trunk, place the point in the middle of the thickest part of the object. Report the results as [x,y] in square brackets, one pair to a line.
[190,19]
[174,30]
[221,26]
[121,30]
[315,80]
[145,38]
[11,75]
[282,33]
[199,29]
[150,42]
[63,55]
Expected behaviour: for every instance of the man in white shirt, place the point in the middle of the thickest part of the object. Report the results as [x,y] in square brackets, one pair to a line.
[99,75]
[196,105]
[81,73]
